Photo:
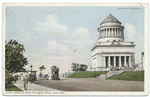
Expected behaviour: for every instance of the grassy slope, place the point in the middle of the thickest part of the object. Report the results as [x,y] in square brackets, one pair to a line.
[87,74]
[131,76]
[12,87]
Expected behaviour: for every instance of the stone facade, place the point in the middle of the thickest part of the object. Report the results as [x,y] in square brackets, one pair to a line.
[111,51]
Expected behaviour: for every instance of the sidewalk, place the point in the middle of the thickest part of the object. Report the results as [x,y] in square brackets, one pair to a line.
[32,87]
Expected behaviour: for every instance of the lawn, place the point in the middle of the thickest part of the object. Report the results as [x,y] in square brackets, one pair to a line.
[12,87]
[87,74]
[130,75]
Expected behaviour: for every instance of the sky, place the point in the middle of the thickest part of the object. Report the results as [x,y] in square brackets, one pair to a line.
[51,34]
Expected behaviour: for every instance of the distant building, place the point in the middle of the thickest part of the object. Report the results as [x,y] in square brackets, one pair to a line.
[111,51]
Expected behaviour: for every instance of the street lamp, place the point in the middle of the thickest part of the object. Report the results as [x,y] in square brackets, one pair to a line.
[31,69]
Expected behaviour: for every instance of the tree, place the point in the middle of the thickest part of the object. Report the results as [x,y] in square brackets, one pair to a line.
[78,67]
[83,67]
[14,58]
[75,67]
[41,69]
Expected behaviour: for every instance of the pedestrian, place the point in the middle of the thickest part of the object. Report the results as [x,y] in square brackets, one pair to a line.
[25,80]
[15,78]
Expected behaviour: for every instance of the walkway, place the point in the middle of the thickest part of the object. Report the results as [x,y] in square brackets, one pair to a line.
[32,87]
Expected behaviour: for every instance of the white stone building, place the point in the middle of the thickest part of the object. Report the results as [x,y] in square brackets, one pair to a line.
[111,51]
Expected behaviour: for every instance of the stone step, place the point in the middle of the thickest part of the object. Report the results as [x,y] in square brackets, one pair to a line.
[102,76]
[109,74]
[112,73]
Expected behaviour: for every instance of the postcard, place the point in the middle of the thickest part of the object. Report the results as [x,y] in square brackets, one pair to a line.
[75,48]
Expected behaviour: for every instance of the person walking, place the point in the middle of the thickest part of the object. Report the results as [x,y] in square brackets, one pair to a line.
[15,78]
[25,80]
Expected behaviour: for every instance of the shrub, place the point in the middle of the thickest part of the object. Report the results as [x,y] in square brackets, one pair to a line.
[8,78]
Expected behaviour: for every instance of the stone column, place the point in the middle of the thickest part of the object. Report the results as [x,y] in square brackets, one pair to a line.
[108,61]
[122,33]
[130,61]
[109,32]
[104,61]
[125,61]
[114,61]
[112,32]
[120,61]
[117,31]
[99,33]
[106,32]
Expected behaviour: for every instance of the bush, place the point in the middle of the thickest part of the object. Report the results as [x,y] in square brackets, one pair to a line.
[8,78]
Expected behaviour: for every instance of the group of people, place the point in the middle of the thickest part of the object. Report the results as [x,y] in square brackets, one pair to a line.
[25,80]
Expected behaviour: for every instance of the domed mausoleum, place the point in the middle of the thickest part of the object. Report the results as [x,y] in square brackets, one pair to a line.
[111,51]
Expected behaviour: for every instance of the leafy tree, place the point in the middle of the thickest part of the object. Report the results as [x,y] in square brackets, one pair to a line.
[14,58]
[41,69]
[78,67]
[83,67]
[75,67]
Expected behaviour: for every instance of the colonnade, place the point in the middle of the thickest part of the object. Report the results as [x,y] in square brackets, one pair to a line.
[117,61]
[111,32]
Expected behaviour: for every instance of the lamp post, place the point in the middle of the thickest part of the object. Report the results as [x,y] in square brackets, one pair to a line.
[31,73]
[31,68]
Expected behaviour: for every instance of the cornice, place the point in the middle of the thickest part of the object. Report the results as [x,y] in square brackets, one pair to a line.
[112,46]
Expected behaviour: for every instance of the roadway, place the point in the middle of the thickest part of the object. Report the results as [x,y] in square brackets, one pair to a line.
[91,84]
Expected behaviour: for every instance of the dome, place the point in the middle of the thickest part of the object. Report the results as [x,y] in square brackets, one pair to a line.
[111,30]
[111,18]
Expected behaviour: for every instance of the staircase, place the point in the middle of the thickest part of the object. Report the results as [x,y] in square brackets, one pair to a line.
[109,74]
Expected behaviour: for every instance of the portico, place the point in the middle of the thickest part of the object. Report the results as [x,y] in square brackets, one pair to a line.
[117,61]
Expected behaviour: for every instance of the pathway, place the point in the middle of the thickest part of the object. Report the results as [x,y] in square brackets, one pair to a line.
[32,87]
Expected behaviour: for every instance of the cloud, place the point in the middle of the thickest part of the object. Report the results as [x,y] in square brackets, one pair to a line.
[54,47]
[59,53]
[81,33]
[132,35]
[52,53]
[24,36]
[130,31]
[51,27]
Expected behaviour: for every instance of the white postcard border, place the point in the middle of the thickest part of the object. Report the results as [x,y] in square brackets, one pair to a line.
[146,42]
